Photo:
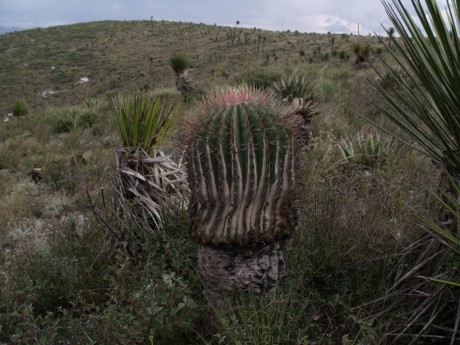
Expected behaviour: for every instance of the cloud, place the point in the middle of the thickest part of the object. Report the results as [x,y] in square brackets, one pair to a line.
[302,15]
[323,23]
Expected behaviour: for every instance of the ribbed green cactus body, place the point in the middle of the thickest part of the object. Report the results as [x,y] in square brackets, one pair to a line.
[241,175]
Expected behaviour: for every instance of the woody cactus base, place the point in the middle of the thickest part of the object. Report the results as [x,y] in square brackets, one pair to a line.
[258,269]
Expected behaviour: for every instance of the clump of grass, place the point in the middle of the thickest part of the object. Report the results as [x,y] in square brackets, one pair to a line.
[260,320]
[262,78]
[324,89]
[19,108]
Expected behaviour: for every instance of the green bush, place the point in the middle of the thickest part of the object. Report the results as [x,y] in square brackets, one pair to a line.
[262,78]
[69,119]
[19,108]
[73,288]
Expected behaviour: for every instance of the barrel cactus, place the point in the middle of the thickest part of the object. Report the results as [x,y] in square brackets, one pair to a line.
[241,170]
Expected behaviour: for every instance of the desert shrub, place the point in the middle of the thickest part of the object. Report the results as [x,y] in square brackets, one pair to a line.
[179,63]
[68,119]
[324,89]
[391,78]
[350,224]
[85,119]
[23,149]
[37,285]
[262,78]
[19,108]
[167,94]
[343,55]
[74,286]
[194,95]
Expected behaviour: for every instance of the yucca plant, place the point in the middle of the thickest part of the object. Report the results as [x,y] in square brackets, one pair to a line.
[241,168]
[149,183]
[362,52]
[425,105]
[180,66]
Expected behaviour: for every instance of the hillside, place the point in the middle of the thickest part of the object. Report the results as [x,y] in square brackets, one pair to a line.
[73,269]
[45,66]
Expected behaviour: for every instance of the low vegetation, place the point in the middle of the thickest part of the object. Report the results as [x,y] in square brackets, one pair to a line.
[96,216]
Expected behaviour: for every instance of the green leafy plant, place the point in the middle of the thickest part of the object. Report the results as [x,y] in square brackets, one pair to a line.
[70,119]
[389,79]
[19,108]
[295,92]
[428,56]
[91,102]
[448,201]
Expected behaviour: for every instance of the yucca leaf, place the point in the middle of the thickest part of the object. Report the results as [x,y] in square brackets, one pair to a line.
[428,55]
[141,121]
[442,281]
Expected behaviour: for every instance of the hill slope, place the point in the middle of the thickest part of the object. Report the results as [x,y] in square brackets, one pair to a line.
[45,66]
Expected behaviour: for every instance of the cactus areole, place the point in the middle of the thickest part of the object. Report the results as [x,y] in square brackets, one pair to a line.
[240,153]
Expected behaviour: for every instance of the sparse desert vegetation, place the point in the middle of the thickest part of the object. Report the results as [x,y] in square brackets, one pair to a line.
[95,206]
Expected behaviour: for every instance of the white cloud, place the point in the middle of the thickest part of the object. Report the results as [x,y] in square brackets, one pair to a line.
[302,15]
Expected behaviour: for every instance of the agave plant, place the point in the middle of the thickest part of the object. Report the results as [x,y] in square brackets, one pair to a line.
[241,169]
[427,111]
[149,183]
[296,94]
[294,86]
[369,151]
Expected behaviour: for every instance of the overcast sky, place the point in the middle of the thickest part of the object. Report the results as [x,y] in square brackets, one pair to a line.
[303,15]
